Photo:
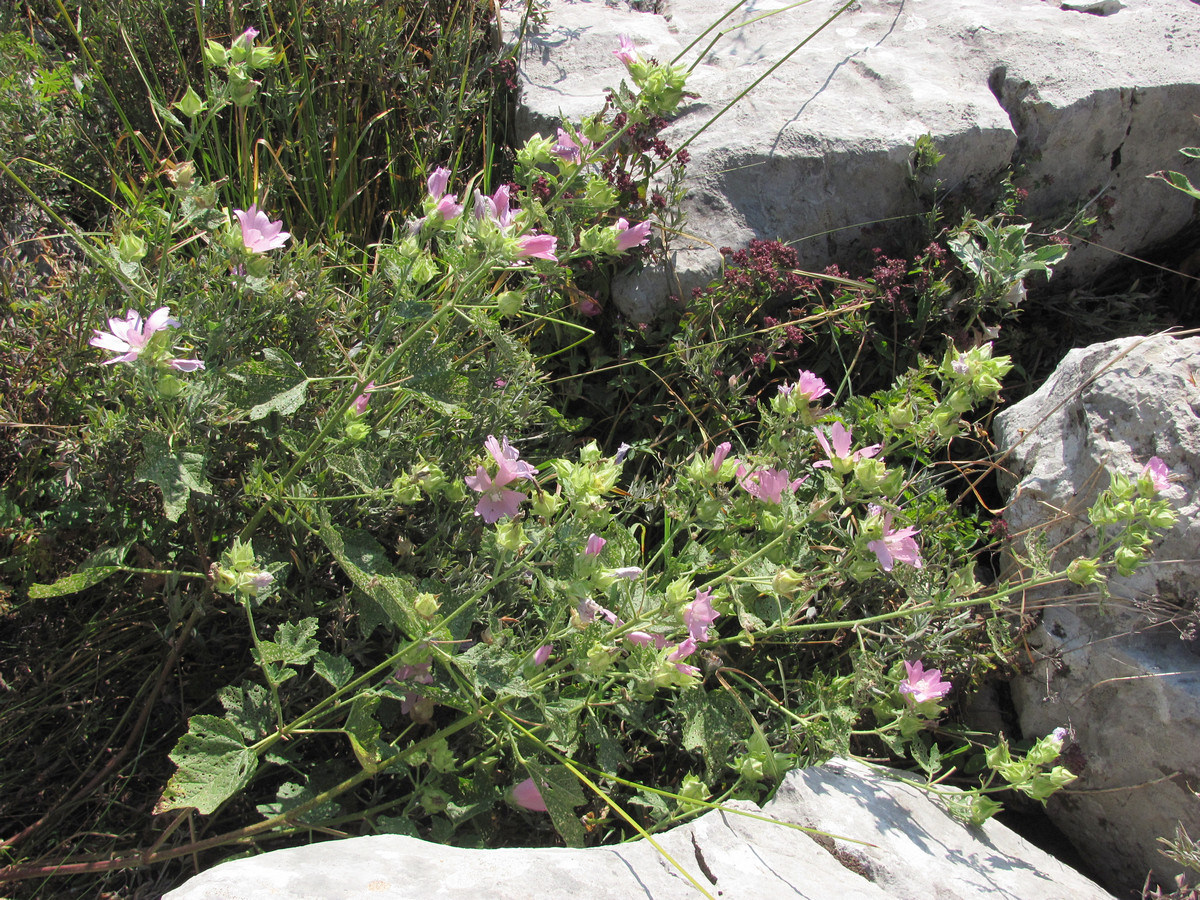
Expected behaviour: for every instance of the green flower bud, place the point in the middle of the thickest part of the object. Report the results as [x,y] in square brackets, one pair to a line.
[751,769]
[599,659]
[959,401]
[223,580]
[862,569]
[693,788]
[262,57]
[600,196]
[1128,560]
[169,386]
[215,55]
[130,248]
[535,152]
[870,473]
[509,303]
[599,239]
[426,605]
[1084,571]
[900,415]
[423,270]
[510,535]
[546,504]
[405,490]
[242,89]
[786,581]
[357,431]
[679,592]
[191,105]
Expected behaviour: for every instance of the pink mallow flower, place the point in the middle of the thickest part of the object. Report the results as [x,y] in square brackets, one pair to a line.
[685,649]
[719,456]
[527,796]
[447,205]
[508,459]
[630,236]
[259,233]
[588,609]
[497,502]
[567,149]
[807,385]
[896,545]
[130,336]
[920,685]
[495,207]
[246,38]
[699,615]
[418,674]
[361,401]
[1157,470]
[542,653]
[537,246]
[840,437]
[626,52]
[595,544]
[767,485]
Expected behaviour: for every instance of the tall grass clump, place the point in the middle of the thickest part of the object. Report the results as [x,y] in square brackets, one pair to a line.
[310,531]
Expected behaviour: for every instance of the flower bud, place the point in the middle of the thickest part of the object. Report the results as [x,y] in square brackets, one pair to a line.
[786,581]
[509,303]
[870,473]
[169,386]
[545,504]
[191,105]
[900,416]
[1084,571]
[130,248]
[215,55]
[426,605]
[510,535]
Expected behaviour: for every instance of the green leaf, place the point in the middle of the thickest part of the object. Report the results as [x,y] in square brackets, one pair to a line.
[1179,181]
[711,724]
[494,669]
[100,565]
[361,469]
[294,644]
[273,384]
[71,584]
[249,709]
[297,641]
[366,565]
[337,670]
[609,755]
[560,792]
[364,732]
[291,795]
[212,765]
[563,718]
[177,473]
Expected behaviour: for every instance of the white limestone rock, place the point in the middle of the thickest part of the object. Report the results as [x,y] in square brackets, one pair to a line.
[1128,687]
[1089,104]
[911,850]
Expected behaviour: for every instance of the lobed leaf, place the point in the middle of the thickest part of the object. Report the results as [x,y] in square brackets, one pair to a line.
[212,764]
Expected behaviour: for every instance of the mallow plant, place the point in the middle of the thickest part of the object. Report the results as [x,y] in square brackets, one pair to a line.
[455,612]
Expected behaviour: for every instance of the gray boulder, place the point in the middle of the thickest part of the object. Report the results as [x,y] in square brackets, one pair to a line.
[1087,97]
[1117,671]
[904,846]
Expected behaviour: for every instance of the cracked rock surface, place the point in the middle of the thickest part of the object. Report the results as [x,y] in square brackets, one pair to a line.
[1114,670]
[885,840]
[1086,97]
